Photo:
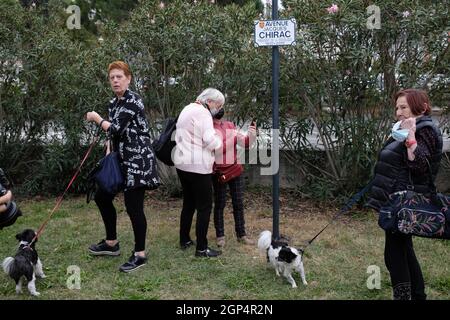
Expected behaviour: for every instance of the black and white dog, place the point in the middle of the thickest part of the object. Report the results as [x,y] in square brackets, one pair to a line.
[283,258]
[26,264]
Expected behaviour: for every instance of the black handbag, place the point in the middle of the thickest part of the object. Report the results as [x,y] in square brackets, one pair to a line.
[418,214]
[107,173]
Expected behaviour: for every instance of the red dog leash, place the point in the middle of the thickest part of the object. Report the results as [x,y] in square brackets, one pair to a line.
[60,199]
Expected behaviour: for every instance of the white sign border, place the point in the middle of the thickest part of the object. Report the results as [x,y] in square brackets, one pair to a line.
[293,43]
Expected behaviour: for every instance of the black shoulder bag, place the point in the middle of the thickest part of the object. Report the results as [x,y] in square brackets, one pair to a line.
[165,143]
[107,173]
[419,214]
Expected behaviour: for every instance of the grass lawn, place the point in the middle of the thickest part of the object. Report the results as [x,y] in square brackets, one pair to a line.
[336,264]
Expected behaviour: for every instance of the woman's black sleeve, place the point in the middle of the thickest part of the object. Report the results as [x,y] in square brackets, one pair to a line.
[426,146]
[123,119]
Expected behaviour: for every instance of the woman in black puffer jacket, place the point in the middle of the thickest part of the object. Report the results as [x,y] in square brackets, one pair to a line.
[9,212]
[397,161]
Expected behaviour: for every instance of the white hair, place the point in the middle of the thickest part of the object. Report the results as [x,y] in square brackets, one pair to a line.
[211,94]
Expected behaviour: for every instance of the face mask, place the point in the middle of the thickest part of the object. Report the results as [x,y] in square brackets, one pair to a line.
[215,112]
[219,114]
[399,134]
[212,111]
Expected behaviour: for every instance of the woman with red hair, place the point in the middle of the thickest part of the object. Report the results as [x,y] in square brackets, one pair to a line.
[128,129]
[406,160]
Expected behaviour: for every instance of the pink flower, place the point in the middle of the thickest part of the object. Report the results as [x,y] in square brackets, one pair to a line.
[333,9]
[161,5]
[406,14]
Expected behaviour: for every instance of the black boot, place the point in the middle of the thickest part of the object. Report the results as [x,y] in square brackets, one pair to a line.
[402,291]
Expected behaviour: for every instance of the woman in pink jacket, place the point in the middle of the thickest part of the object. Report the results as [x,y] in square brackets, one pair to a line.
[197,142]
[228,171]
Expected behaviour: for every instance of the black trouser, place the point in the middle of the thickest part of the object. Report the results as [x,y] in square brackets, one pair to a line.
[406,275]
[197,195]
[236,186]
[134,204]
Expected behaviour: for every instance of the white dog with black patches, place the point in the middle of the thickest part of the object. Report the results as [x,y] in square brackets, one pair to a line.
[26,263]
[283,258]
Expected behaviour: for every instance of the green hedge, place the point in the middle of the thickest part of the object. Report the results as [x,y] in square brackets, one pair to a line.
[339,79]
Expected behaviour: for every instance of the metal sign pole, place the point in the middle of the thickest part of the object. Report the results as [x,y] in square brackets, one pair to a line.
[275,33]
[275,129]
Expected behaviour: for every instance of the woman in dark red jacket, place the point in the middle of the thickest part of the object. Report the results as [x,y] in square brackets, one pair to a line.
[226,161]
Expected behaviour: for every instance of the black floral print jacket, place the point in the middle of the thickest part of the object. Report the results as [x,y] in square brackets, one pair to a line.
[129,132]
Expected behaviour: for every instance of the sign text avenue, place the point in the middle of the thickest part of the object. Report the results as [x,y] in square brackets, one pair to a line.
[275,32]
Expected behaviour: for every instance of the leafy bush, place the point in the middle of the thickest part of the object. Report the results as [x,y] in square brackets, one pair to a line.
[338,81]
[49,82]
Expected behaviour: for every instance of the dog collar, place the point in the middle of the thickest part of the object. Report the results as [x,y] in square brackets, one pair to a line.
[25,244]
